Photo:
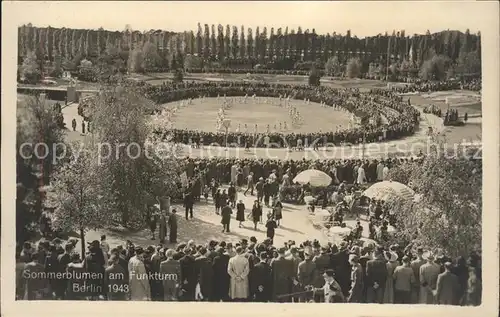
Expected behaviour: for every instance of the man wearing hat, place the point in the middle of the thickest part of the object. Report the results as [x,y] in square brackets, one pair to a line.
[404,279]
[58,245]
[428,279]
[140,289]
[294,257]
[240,212]
[415,265]
[307,274]
[282,272]
[171,268]
[115,285]
[226,213]
[260,189]
[331,290]
[238,269]
[343,268]
[94,263]
[376,277]
[205,274]
[189,274]
[220,265]
[447,286]
[357,285]
[260,280]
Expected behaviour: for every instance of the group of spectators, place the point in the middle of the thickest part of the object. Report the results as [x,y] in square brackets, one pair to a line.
[225,170]
[433,109]
[428,86]
[248,270]
[402,119]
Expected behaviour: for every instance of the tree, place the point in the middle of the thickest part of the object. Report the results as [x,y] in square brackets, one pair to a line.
[30,71]
[263,44]
[220,42]
[78,192]
[213,43]
[448,214]
[178,75]
[242,42]
[249,44]
[272,43]
[199,41]
[34,165]
[206,42]
[227,42]
[257,45]
[36,115]
[234,42]
[314,77]
[136,61]
[332,66]
[57,72]
[88,44]
[353,67]
[150,56]
[193,62]
[48,42]
[435,68]
[121,116]
[469,64]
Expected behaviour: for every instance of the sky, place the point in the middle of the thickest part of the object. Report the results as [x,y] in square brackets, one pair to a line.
[362,18]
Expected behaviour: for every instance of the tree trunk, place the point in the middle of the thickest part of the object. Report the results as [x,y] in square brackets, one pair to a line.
[82,241]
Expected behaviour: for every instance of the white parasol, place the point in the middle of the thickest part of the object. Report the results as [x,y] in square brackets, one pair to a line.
[388,189]
[314,177]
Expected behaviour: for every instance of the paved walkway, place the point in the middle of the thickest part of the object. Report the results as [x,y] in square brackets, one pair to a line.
[297,225]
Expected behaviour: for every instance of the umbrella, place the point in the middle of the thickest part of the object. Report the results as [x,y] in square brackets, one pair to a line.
[314,177]
[388,189]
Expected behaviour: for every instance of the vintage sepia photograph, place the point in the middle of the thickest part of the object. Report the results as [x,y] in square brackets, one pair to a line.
[276,152]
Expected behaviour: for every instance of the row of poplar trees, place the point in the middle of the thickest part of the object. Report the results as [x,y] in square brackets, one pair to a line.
[219,43]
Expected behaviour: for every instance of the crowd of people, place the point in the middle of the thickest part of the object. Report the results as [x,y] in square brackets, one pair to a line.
[428,86]
[350,270]
[248,270]
[202,171]
[402,118]
[435,110]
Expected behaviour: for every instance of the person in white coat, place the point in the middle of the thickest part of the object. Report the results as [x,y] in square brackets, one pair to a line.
[428,274]
[138,278]
[380,171]
[238,269]
[361,175]
[385,173]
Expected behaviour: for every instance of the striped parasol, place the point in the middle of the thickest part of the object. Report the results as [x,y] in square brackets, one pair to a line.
[388,189]
[313,177]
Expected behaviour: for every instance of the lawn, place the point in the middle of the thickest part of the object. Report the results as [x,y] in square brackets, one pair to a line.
[202,115]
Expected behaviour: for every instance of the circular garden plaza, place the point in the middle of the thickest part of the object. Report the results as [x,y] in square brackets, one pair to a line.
[225,132]
[294,163]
